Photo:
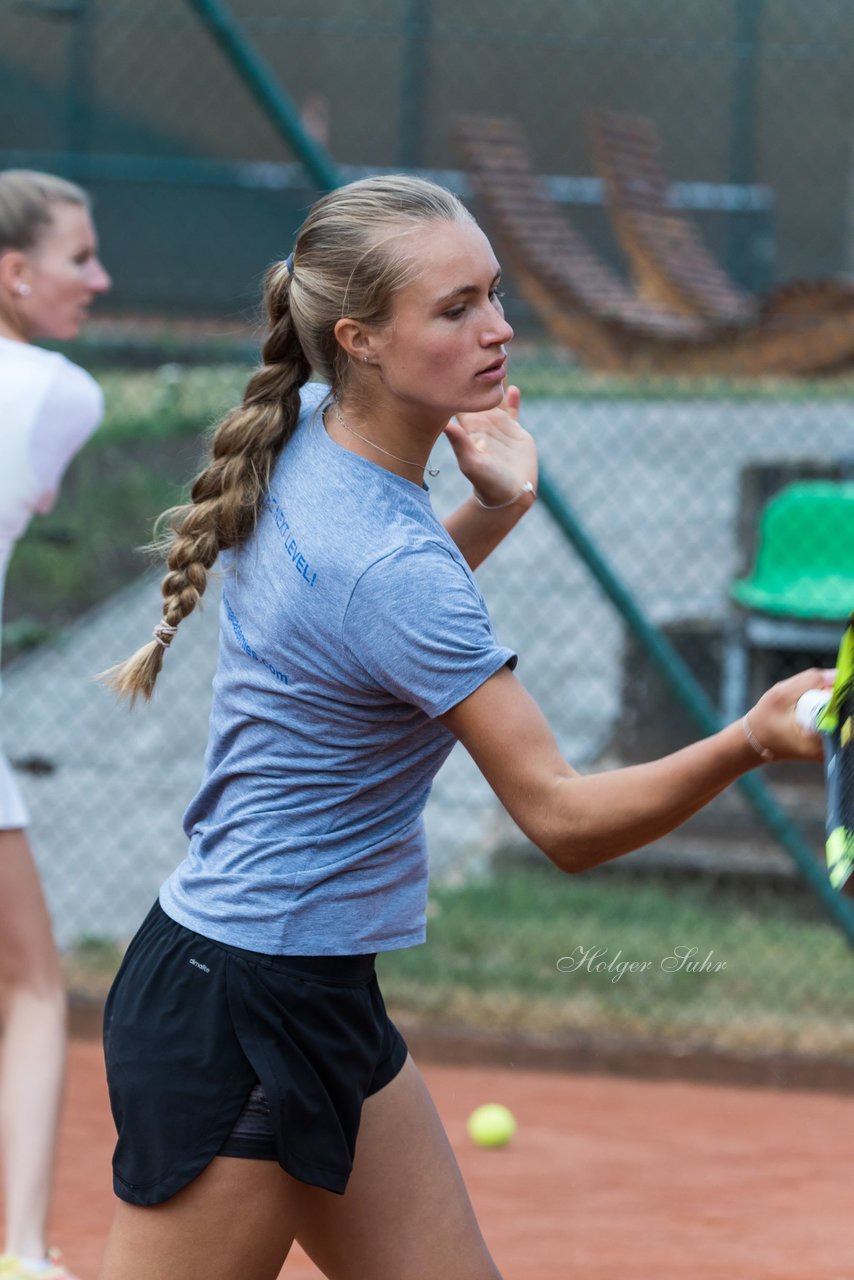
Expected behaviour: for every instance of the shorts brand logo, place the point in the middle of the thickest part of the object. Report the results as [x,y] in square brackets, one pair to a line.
[204,968]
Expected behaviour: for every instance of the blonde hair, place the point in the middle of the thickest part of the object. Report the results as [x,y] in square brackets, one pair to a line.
[349,259]
[27,199]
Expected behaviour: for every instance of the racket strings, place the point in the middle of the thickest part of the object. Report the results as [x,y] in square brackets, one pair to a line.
[840,826]
[846,757]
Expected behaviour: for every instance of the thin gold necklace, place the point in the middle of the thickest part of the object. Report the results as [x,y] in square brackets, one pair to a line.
[431,471]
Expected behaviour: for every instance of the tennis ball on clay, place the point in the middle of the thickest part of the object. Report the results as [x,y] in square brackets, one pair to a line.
[491,1125]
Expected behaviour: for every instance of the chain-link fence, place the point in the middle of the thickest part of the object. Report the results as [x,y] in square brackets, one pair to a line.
[196,191]
[656,482]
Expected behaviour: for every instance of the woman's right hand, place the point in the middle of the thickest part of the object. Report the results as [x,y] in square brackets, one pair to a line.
[494,451]
[773,723]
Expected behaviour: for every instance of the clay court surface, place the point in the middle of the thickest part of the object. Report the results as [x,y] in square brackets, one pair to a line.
[606,1179]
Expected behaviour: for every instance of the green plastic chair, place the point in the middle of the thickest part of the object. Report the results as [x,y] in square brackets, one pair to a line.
[800,591]
[805,560]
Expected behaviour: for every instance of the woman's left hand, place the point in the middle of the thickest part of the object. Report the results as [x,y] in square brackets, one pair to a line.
[494,451]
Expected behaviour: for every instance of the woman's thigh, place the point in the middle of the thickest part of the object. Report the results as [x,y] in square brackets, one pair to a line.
[236,1219]
[27,950]
[406,1214]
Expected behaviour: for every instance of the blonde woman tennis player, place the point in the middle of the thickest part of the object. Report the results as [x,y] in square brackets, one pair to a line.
[260,1091]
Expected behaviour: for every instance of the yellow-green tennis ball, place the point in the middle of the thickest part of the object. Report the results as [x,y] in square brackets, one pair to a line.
[491,1125]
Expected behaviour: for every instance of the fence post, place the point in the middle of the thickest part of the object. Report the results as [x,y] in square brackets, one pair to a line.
[264,86]
[413,87]
[742,164]
[78,113]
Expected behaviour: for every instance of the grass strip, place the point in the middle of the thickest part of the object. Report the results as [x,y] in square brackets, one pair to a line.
[535,951]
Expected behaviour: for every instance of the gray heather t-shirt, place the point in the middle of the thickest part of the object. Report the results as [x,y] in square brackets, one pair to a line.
[349,622]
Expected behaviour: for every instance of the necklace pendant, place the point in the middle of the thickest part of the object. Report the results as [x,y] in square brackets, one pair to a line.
[433,471]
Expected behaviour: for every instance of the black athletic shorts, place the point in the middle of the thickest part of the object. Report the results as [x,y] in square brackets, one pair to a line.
[192,1026]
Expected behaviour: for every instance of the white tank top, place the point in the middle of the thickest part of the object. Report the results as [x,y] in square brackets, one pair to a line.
[48,409]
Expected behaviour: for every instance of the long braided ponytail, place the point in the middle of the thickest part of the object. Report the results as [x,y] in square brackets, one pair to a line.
[350,258]
[225,495]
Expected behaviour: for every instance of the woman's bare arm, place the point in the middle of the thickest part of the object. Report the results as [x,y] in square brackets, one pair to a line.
[580,821]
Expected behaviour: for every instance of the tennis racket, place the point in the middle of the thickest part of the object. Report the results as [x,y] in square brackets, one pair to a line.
[833,719]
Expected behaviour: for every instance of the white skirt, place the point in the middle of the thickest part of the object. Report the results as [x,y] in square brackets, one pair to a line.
[13,811]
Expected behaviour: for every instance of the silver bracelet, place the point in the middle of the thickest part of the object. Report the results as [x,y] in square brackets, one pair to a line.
[527,487]
[761,751]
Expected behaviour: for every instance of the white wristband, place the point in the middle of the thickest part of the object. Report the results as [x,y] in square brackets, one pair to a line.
[527,487]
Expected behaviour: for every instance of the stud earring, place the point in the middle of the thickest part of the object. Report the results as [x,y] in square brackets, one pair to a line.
[23,290]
